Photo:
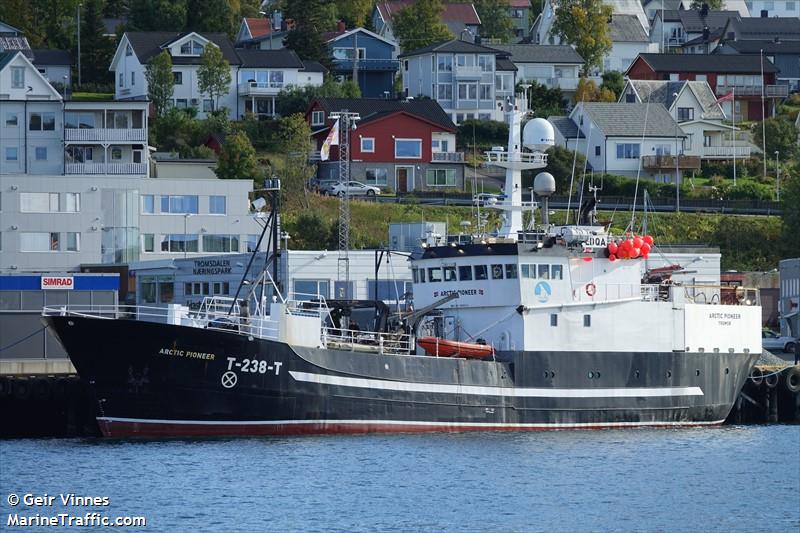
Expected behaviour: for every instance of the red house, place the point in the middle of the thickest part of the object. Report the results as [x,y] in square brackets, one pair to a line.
[740,74]
[403,145]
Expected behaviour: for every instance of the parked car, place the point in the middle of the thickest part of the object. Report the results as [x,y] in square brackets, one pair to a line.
[322,186]
[773,341]
[354,188]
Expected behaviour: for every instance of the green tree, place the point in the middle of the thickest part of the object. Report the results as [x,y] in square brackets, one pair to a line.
[586,91]
[214,74]
[210,16]
[247,8]
[96,49]
[307,42]
[175,131]
[309,231]
[45,23]
[559,164]
[614,81]
[312,18]
[495,21]
[157,15]
[237,158]
[295,142]
[297,99]
[712,4]
[584,25]
[354,12]
[160,82]
[420,25]
[543,100]
[781,136]
[790,196]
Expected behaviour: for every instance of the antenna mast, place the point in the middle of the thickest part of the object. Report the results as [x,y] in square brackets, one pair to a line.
[346,123]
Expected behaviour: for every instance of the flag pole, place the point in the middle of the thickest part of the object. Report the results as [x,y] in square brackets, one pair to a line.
[733,133]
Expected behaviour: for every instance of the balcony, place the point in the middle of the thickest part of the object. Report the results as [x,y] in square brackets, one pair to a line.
[565,84]
[105,134]
[667,162]
[105,168]
[725,152]
[468,72]
[448,157]
[367,65]
[770,91]
[261,88]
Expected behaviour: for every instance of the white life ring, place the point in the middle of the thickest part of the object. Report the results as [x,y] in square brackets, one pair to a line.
[591,289]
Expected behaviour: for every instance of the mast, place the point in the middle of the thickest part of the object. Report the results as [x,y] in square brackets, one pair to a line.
[346,123]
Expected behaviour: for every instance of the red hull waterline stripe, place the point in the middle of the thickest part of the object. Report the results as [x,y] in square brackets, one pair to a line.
[135,427]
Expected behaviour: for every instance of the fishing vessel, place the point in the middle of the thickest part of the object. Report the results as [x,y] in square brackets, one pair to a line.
[545,327]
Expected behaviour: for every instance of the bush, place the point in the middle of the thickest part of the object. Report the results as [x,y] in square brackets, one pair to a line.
[487,133]
[94,88]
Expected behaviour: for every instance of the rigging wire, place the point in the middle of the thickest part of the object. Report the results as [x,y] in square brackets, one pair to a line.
[639,167]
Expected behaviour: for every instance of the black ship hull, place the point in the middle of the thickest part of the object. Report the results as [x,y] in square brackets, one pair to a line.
[158,380]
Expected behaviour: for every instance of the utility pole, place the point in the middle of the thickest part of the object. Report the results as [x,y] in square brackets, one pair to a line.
[79,44]
[677,170]
[346,123]
[763,116]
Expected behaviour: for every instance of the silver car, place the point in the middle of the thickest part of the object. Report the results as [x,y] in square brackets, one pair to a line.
[354,188]
[775,342]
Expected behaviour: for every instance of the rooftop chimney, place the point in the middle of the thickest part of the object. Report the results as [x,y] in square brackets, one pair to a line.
[341,27]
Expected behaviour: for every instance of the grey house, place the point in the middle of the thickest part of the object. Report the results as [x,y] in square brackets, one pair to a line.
[785,55]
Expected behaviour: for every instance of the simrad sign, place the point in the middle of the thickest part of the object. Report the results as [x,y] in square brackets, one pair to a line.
[58,282]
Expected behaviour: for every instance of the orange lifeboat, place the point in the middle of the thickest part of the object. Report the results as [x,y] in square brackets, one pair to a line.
[447,348]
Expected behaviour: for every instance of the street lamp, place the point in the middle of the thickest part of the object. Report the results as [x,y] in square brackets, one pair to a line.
[777,177]
[677,161]
[185,234]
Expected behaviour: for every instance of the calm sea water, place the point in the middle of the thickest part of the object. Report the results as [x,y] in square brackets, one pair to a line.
[722,479]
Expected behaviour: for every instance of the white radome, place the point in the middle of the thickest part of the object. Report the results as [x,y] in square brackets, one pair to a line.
[538,135]
[544,184]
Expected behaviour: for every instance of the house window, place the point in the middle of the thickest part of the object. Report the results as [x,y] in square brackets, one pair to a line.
[367,144]
[39,242]
[486,91]
[503,82]
[486,63]
[121,79]
[250,243]
[79,154]
[627,151]
[180,242]
[73,241]
[148,242]
[181,103]
[12,153]
[177,78]
[72,202]
[128,50]
[17,77]
[376,176]
[597,151]
[674,77]
[208,105]
[191,48]
[440,177]
[444,63]
[42,122]
[685,113]
[11,120]
[216,205]
[38,202]
[180,204]
[445,91]
[308,289]
[662,149]
[133,78]
[148,204]
[116,153]
[408,148]
[467,91]
[220,243]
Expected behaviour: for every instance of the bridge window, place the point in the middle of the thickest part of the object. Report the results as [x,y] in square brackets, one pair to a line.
[497,271]
[481,272]
[465,273]
[556,272]
[554,320]
[450,273]
[435,274]
[511,271]
[544,272]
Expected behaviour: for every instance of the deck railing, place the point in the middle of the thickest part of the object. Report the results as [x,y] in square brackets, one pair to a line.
[367,341]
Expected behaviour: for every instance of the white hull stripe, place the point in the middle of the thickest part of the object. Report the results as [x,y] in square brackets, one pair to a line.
[487,425]
[511,392]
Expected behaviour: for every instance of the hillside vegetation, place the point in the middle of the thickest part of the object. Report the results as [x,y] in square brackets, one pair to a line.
[746,242]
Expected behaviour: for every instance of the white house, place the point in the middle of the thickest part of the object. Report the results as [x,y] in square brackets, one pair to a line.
[629,39]
[773,8]
[624,139]
[673,29]
[555,66]
[257,76]
[542,28]
[694,106]
[467,80]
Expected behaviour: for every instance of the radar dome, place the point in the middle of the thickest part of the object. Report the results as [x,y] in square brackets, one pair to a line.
[538,135]
[544,184]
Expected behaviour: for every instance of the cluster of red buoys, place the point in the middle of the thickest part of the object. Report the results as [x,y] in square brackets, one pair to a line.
[631,248]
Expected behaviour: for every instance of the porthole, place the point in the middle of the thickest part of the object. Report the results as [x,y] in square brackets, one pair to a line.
[727,370]
[636,374]
[597,375]
[546,374]
[591,374]
[552,374]
[70,322]
[696,372]
[669,374]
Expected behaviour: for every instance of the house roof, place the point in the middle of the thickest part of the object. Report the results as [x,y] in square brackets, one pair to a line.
[768,28]
[504,63]
[629,7]
[313,66]
[534,53]
[715,35]
[693,21]
[455,46]
[6,57]
[705,63]
[258,26]
[768,46]
[373,108]
[148,44]
[662,92]
[336,35]
[44,56]
[565,126]
[629,120]
[452,12]
[627,29]
[14,42]
[283,58]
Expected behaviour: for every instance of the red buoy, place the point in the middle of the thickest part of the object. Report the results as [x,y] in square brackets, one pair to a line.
[612,248]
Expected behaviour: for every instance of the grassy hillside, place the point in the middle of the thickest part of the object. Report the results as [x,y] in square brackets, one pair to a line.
[746,242]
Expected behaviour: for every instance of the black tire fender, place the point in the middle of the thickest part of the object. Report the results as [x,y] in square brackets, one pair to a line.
[792,379]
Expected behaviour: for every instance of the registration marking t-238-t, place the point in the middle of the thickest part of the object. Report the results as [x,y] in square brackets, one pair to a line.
[255,366]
